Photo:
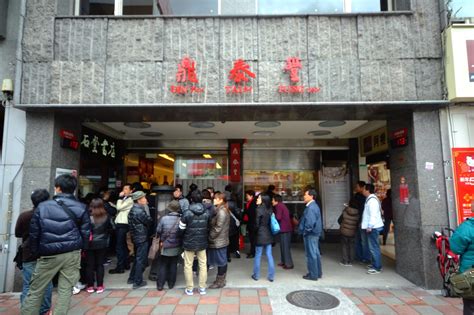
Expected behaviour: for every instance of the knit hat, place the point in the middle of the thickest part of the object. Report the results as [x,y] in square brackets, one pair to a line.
[173,206]
[137,195]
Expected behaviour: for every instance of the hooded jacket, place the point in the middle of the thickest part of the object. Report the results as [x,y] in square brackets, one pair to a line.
[194,228]
[462,243]
[349,223]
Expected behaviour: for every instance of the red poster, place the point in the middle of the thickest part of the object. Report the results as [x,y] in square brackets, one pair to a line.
[463,167]
[235,161]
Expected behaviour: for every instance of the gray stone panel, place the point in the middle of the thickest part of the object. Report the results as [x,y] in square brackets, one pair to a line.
[338,79]
[77,83]
[332,37]
[385,37]
[133,83]
[36,83]
[282,38]
[429,79]
[250,97]
[39,31]
[409,255]
[239,39]
[80,40]
[427,29]
[208,76]
[195,38]
[388,80]
[135,40]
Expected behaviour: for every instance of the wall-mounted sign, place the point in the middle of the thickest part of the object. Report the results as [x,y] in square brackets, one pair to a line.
[186,78]
[293,66]
[240,75]
[399,138]
[463,167]
[374,142]
[235,162]
[68,139]
[98,145]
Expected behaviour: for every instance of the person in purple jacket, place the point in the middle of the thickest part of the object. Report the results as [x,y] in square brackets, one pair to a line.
[283,217]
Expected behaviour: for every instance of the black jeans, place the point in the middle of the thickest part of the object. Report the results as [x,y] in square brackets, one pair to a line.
[468,308]
[167,267]
[95,259]
[122,249]
[139,263]
[348,249]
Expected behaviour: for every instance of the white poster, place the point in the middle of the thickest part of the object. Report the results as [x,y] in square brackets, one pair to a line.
[62,171]
[335,193]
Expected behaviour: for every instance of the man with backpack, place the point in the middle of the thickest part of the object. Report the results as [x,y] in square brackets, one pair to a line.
[372,224]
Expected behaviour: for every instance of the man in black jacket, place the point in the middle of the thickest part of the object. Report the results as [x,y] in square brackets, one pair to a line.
[140,223]
[58,230]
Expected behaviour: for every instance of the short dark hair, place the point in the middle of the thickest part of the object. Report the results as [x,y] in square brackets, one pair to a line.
[370,188]
[278,198]
[66,182]
[361,184]
[179,186]
[266,200]
[206,194]
[271,187]
[312,192]
[136,187]
[38,196]
[228,188]
[127,184]
[196,196]
[250,192]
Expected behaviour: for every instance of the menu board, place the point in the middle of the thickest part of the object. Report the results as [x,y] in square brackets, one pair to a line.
[335,191]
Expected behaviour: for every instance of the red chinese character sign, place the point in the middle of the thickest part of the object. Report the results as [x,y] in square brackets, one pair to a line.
[235,162]
[186,78]
[463,167]
[293,66]
[240,74]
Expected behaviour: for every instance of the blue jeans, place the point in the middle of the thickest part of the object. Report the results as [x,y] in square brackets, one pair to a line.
[28,269]
[362,247]
[313,257]
[374,247]
[258,257]
[139,263]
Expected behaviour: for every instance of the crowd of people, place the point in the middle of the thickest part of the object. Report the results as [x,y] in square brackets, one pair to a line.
[63,236]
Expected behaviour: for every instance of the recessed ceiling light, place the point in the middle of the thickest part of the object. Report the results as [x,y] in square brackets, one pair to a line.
[205,133]
[201,124]
[207,156]
[218,166]
[166,157]
[332,123]
[137,125]
[151,134]
[267,124]
[263,133]
[319,133]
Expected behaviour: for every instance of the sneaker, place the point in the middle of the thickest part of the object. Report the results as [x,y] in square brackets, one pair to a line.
[345,264]
[370,266]
[75,290]
[188,292]
[373,271]
[100,289]
[202,291]
[211,267]
[237,254]
[90,290]
[80,286]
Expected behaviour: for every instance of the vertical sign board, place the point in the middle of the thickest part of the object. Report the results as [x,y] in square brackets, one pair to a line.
[235,161]
[463,167]
[470,59]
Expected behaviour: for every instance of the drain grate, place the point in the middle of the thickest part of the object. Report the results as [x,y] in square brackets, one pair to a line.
[313,300]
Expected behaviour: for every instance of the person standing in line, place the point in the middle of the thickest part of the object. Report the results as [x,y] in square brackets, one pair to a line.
[140,223]
[22,229]
[58,230]
[250,215]
[387,214]
[234,228]
[167,229]
[372,224]
[282,215]
[207,202]
[362,252]
[311,228]
[194,228]
[348,222]
[219,240]
[124,205]
[264,237]
[96,248]
[178,196]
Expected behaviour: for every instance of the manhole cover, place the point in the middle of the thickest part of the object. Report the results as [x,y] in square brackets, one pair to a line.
[313,300]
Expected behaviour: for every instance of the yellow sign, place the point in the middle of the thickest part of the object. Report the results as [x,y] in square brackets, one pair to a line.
[374,142]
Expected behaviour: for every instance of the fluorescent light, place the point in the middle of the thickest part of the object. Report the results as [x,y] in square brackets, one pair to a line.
[207,156]
[218,166]
[183,164]
[166,157]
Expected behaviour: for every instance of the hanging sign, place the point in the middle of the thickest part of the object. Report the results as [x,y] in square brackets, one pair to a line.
[463,167]
[68,139]
[293,66]
[235,162]
[186,78]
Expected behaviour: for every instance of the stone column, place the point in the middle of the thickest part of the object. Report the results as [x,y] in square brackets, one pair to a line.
[427,209]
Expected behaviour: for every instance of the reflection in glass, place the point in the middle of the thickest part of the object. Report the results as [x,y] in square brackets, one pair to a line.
[365,6]
[97,7]
[188,7]
[282,7]
[138,7]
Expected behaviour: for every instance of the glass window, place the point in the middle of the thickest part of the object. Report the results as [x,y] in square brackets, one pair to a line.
[137,7]
[97,7]
[462,8]
[196,167]
[188,7]
[300,6]
[365,6]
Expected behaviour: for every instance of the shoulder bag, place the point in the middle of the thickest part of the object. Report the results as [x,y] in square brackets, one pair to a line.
[157,243]
[274,225]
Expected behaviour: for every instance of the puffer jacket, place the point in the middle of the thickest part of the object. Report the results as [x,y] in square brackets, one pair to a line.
[194,228]
[219,229]
[462,243]
[53,232]
[234,227]
[139,222]
[349,224]
[100,234]
[168,228]
[123,209]
[262,226]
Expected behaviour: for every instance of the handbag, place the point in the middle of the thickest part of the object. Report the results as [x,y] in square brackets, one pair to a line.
[157,243]
[274,225]
[463,283]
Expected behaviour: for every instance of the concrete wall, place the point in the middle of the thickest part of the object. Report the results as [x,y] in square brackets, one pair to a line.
[121,60]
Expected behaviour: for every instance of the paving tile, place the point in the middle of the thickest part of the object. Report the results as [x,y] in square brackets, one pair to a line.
[248,292]
[448,309]
[149,301]
[262,292]
[214,293]
[266,309]
[129,301]
[109,301]
[141,309]
[230,292]
[402,293]
[163,309]
[433,300]
[249,300]
[189,300]
[347,292]
[382,293]
[3,309]
[426,310]
[155,293]
[250,309]
[121,309]
[362,292]
[10,303]
[174,292]
[404,309]
[453,301]
[185,309]
[370,300]
[356,300]
[229,300]
[412,300]
[99,310]
[382,309]
[228,309]
[365,309]
[391,300]
[419,293]
[137,293]
[209,300]
[118,293]
[169,300]
[264,300]
[79,309]
[206,309]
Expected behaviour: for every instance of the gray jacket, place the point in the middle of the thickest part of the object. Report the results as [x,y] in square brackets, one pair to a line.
[219,229]
[167,229]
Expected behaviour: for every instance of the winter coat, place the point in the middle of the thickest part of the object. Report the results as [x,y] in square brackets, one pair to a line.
[462,243]
[22,229]
[262,226]
[310,223]
[372,216]
[100,234]
[139,222]
[349,223]
[234,228]
[219,229]
[209,206]
[251,212]
[183,204]
[53,232]
[168,228]
[282,214]
[194,227]
[123,209]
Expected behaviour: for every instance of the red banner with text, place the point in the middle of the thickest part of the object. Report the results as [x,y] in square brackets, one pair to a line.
[235,162]
[463,167]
